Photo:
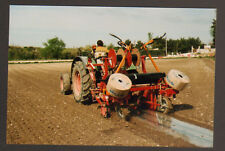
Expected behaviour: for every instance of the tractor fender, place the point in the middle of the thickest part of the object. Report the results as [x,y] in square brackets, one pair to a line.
[84,59]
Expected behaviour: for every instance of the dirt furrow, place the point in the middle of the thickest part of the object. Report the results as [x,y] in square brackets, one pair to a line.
[38,113]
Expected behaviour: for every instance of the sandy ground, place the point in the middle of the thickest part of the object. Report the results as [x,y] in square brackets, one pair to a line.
[37,113]
[196,101]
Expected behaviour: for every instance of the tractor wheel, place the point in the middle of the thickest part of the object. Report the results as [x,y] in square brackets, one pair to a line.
[81,83]
[165,105]
[65,85]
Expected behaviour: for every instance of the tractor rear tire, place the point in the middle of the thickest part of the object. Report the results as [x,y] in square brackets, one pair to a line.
[81,83]
[65,85]
[165,105]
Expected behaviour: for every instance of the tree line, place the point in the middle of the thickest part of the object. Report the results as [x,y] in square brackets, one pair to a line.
[55,48]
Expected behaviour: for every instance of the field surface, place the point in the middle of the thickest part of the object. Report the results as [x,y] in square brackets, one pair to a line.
[37,113]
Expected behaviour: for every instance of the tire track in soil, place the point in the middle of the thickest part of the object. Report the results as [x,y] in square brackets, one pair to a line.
[196,102]
[57,119]
[22,125]
[34,84]
[36,111]
[35,114]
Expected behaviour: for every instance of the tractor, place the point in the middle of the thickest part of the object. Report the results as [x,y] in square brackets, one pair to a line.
[119,82]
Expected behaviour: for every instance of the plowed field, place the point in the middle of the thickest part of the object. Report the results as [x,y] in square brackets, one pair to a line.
[37,113]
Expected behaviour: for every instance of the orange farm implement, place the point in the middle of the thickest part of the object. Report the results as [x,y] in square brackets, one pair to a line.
[119,82]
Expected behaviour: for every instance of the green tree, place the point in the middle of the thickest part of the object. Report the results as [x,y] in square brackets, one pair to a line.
[160,43]
[127,41]
[110,46]
[195,42]
[213,31]
[172,46]
[150,36]
[139,45]
[183,45]
[79,51]
[53,48]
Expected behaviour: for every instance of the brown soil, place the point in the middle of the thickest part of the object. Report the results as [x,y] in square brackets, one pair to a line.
[196,102]
[37,113]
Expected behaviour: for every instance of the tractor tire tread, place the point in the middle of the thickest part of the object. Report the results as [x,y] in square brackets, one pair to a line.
[86,82]
[66,90]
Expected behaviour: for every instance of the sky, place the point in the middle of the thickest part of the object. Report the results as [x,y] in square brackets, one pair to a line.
[79,26]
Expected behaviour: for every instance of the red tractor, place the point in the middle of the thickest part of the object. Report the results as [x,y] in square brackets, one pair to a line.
[119,82]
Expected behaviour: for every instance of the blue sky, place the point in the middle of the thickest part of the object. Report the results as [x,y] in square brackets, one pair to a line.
[80,26]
